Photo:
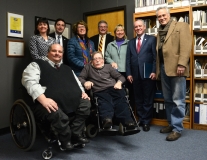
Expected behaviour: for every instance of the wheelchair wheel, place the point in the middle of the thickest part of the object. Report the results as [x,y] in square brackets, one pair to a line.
[91,131]
[47,154]
[22,125]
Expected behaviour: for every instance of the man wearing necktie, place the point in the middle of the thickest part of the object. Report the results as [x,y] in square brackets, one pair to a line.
[142,50]
[59,29]
[102,39]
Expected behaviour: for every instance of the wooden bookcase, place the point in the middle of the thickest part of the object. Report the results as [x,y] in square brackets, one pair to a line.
[175,12]
[202,58]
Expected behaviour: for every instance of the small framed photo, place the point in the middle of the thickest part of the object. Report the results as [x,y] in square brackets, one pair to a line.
[15,25]
[14,48]
[68,29]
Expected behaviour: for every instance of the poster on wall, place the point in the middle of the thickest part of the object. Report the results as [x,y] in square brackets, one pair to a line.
[15,25]
[67,32]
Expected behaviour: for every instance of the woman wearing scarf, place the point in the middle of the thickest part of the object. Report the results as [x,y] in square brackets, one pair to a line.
[79,48]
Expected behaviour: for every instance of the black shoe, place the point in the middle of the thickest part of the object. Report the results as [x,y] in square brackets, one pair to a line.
[107,123]
[130,125]
[79,139]
[146,127]
[66,146]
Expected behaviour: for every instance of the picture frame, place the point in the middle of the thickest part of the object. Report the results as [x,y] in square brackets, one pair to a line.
[15,48]
[68,29]
[15,25]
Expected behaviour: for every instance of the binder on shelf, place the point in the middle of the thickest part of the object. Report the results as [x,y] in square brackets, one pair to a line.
[203,114]
[147,69]
[196,113]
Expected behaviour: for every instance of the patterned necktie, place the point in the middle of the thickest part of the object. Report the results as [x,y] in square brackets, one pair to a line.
[56,66]
[58,40]
[100,44]
[138,45]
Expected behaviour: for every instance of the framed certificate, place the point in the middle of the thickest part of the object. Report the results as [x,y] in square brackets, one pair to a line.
[14,48]
[15,25]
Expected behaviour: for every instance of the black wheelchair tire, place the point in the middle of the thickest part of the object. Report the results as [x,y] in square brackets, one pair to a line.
[22,126]
[91,131]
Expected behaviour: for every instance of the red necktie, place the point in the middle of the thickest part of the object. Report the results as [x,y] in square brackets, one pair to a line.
[138,45]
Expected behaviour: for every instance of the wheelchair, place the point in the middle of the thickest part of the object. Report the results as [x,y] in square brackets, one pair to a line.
[23,129]
[94,125]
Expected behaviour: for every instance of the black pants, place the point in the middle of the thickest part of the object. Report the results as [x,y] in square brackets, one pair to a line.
[59,120]
[113,102]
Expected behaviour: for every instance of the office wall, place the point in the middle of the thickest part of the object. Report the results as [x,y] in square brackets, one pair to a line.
[93,5]
[11,68]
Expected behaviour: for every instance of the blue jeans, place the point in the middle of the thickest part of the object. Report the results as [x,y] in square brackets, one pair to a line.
[174,91]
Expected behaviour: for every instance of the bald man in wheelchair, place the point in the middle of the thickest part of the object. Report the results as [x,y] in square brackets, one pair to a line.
[57,92]
[106,84]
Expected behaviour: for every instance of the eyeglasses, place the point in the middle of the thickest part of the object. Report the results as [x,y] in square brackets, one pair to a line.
[102,26]
[98,58]
[81,27]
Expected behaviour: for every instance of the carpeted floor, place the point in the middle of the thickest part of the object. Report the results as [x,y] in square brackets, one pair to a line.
[142,146]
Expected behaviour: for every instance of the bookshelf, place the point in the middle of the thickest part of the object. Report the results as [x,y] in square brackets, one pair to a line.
[150,17]
[199,55]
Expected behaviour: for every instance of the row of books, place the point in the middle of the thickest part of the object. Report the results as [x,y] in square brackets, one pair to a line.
[200,69]
[141,3]
[150,5]
[152,30]
[199,19]
[200,92]
[200,113]
[159,111]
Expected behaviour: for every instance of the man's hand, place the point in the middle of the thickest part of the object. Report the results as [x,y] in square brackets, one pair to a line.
[88,85]
[85,96]
[118,85]
[114,65]
[152,76]
[180,70]
[130,78]
[48,103]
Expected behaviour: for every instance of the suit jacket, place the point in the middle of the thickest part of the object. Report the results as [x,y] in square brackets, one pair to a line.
[176,49]
[109,38]
[135,61]
[64,42]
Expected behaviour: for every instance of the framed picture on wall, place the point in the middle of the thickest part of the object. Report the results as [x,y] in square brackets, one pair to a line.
[15,25]
[14,48]
[67,31]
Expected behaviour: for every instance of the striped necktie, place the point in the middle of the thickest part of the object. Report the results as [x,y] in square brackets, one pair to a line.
[58,40]
[100,44]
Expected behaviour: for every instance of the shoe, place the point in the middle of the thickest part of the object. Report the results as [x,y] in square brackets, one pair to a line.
[167,129]
[129,125]
[107,123]
[146,127]
[173,136]
[66,146]
[79,139]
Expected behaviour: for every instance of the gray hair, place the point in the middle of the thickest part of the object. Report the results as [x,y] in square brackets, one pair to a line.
[50,47]
[164,7]
[102,21]
[141,21]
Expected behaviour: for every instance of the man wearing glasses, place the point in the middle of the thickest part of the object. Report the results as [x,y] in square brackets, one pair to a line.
[106,84]
[102,39]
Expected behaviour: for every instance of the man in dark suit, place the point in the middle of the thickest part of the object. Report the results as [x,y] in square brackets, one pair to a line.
[141,50]
[107,38]
[59,29]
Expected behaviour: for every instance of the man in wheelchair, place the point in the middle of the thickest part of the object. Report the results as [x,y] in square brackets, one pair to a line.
[106,84]
[56,92]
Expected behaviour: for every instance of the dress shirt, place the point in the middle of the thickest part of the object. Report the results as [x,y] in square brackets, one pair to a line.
[142,37]
[31,78]
[103,44]
[61,39]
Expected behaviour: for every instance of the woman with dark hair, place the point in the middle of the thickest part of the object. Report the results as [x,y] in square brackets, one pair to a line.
[79,48]
[40,42]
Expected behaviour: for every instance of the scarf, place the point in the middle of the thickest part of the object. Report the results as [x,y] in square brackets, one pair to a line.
[83,44]
[163,32]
